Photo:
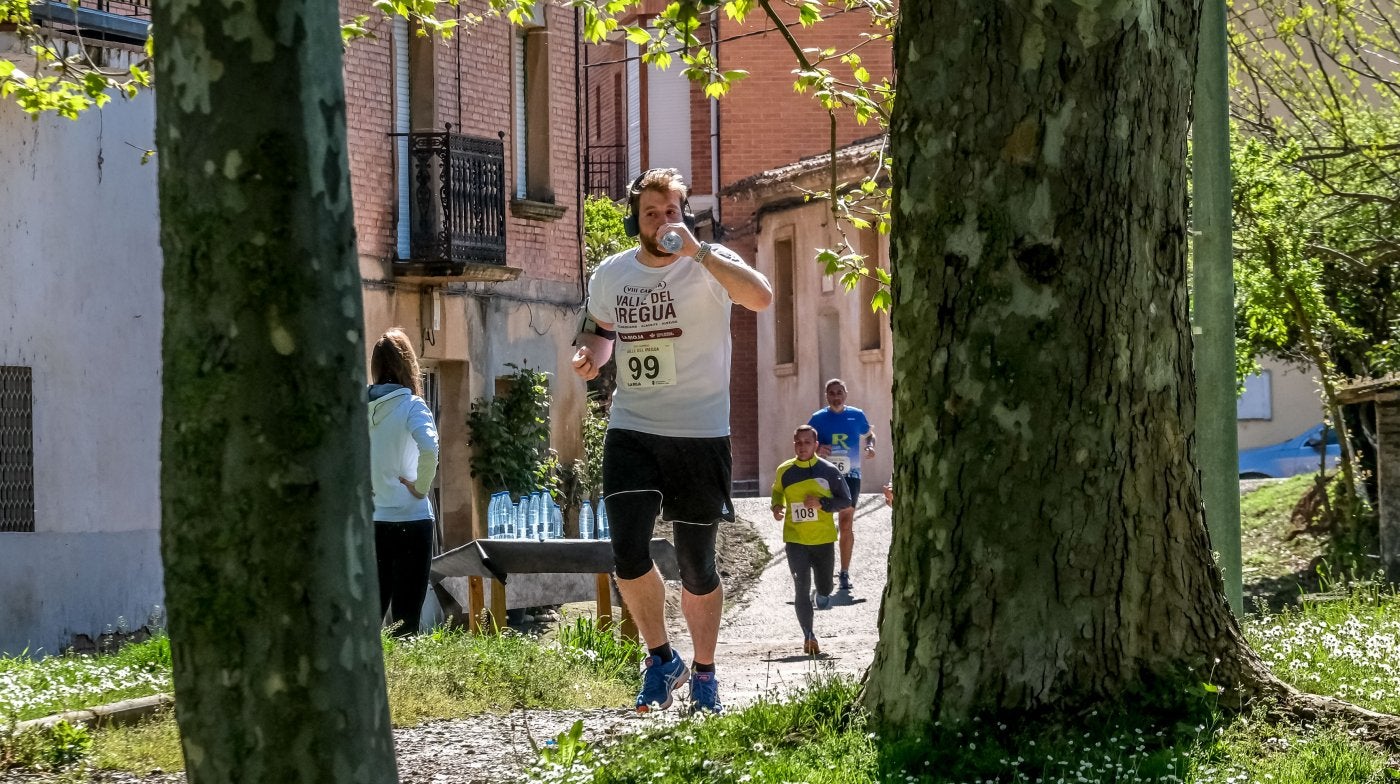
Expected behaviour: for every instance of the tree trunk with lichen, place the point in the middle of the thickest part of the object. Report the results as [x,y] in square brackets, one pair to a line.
[266,538]
[1049,551]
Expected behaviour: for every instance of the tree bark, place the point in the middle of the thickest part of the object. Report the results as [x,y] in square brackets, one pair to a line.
[1049,547]
[266,537]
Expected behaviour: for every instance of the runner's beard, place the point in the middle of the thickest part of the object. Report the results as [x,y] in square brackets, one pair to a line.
[650,245]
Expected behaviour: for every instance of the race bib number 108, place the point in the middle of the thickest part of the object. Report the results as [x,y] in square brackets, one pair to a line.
[801,514]
[647,364]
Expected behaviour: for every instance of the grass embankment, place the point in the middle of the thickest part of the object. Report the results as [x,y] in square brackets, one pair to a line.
[1279,562]
[443,675]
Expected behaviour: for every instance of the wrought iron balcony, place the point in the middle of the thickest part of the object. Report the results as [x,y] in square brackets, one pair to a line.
[457,203]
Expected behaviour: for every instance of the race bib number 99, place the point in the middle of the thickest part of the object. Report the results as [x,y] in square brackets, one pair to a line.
[801,514]
[647,364]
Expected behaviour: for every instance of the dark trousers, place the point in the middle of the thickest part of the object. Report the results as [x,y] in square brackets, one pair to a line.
[809,562]
[402,552]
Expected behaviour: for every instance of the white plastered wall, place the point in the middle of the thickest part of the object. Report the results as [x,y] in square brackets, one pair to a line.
[1295,405]
[80,303]
[788,395]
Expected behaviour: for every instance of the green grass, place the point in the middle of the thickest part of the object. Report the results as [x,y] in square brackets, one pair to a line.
[1343,648]
[32,688]
[820,738]
[816,739]
[1263,753]
[443,675]
[152,744]
[1276,569]
[451,674]
[1268,507]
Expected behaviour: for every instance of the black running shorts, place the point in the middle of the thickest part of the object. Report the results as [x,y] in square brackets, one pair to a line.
[684,481]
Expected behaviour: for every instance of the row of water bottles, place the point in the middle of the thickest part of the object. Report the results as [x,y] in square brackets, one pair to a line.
[538,517]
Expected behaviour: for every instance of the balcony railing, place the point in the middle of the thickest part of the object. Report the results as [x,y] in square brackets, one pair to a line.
[139,9]
[109,20]
[605,171]
[457,203]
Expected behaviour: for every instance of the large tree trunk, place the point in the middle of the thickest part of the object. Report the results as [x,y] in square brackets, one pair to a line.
[1049,546]
[265,519]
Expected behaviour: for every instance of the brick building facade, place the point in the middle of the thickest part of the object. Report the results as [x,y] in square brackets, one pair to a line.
[761,125]
[497,107]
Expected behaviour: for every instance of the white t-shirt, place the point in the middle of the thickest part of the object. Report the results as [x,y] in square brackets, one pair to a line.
[672,347]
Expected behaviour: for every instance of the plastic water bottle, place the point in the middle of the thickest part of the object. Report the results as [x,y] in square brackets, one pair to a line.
[543,503]
[671,242]
[500,515]
[493,516]
[504,509]
[522,519]
[556,522]
[585,520]
[604,531]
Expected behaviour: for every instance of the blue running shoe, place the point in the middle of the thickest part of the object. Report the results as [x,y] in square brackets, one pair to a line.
[821,602]
[704,693]
[658,681]
[844,579]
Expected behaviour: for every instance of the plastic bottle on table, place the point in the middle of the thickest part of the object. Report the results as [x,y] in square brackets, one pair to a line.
[500,515]
[585,520]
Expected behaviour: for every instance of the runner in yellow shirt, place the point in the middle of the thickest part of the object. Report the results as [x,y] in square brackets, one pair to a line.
[807,492]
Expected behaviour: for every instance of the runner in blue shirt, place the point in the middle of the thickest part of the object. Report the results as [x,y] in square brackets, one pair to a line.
[841,429]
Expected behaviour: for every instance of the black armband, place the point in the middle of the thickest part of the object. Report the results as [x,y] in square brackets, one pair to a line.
[589,326]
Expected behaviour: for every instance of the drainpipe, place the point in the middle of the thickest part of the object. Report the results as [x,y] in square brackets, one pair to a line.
[579,174]
[714,132]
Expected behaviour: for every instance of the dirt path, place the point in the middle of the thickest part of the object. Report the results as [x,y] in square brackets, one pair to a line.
[760,647]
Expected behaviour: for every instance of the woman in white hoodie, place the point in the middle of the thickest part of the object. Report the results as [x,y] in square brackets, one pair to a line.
[403,445]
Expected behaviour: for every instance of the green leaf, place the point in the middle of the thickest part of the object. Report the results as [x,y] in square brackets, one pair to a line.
[739,9]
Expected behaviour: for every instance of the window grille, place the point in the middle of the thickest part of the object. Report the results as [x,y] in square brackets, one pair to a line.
[16,449]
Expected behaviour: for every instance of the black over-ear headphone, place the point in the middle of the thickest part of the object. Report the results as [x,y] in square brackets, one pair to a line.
[632,224]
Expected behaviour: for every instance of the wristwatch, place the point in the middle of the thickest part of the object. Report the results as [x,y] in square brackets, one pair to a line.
[702,253]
